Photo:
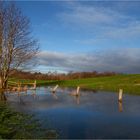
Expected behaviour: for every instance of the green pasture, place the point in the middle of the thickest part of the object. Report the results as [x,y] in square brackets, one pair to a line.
[130,83]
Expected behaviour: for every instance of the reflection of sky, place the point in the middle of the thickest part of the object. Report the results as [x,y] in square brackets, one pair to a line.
[43,99]
[96,116]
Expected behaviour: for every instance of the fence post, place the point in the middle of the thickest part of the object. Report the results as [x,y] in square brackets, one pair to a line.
[77,91]
[35,84]
[19,86]
[120,95]
[54,89]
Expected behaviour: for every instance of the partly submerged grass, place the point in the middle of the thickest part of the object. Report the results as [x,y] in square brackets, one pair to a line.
[15,125]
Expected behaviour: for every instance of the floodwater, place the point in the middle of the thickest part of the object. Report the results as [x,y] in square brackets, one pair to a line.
[90,115]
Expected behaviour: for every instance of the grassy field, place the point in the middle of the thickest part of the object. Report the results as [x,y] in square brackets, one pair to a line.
[129,83]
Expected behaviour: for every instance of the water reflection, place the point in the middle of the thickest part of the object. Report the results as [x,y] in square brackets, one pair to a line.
[2,96]
[34,94]
[77,99]
[84,116]
[120,106]
[21,101]
[54,95]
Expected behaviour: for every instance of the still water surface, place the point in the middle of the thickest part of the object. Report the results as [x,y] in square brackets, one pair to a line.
[92,115]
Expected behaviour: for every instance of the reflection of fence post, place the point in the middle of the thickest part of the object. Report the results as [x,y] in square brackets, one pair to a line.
[120,95]
[34,93]
[120,107]
[78,99]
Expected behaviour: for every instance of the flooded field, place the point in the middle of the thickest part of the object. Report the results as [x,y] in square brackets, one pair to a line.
[90,115]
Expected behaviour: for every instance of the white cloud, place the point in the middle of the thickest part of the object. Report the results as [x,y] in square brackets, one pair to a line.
[93,16]
[103,22]
[132,30]
[119,60]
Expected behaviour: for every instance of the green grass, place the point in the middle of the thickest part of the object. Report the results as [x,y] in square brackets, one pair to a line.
[109,83]
[15,125]
[112,83]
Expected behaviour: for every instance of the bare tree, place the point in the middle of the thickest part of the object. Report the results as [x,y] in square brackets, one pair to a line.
[17,46]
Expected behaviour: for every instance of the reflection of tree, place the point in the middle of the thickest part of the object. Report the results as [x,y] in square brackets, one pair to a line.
[21,101]
[2,96]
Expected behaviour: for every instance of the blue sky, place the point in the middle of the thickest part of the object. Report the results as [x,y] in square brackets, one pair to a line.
[86,36]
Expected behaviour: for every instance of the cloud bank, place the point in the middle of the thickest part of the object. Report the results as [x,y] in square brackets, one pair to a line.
[124,60]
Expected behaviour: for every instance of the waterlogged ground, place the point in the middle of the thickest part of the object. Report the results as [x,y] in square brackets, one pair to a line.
[92,115]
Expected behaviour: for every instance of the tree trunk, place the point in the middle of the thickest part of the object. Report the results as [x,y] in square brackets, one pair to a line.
[3,83]
[0,83]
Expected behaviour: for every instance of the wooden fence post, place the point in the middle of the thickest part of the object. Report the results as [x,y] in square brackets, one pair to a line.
[19,86]
[35,84]
[54,89]
[120,95]
[77,91]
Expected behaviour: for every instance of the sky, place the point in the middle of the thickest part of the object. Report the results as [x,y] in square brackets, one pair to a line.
[85,35]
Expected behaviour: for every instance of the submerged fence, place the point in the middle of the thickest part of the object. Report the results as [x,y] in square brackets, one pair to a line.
[19,86]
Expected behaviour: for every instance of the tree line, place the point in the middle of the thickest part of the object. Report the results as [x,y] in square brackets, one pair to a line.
[58,76]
